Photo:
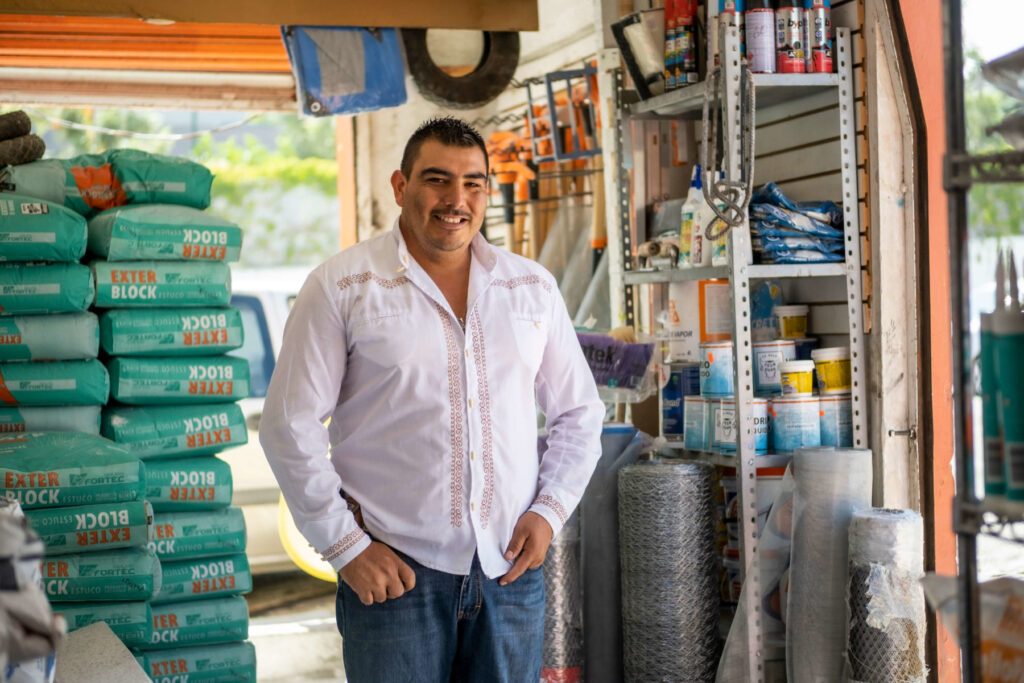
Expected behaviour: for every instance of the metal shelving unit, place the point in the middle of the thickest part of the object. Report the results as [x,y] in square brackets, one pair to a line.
[771,89]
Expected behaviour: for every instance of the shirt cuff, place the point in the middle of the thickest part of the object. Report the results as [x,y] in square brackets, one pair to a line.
[552,511]
[346,550]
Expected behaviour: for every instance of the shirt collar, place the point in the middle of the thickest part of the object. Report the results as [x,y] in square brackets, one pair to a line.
[482,250]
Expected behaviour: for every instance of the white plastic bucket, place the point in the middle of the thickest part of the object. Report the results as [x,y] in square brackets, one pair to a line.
[760,415]
[768,357]
[833,368]
[716,374]
[797,377]
[792,321]
[723,439]
[796,423]
[695,423]
[837,420]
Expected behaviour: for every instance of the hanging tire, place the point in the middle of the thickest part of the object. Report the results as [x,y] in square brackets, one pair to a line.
[14,124]
[21,150]
[488,80]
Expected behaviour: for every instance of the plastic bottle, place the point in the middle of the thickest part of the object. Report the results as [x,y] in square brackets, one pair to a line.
[690,241]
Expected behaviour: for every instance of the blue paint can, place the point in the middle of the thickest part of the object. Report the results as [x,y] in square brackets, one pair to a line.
[716,369]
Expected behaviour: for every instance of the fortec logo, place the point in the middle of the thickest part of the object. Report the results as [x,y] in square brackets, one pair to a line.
[99,528]
[213,576]
[205,330]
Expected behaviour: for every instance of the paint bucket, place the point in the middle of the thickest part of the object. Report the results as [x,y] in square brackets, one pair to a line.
[768,357]
[716,374]
[833,369]
[836,420]
[797,377]
[804,347]
[695,423]
[723,439]
[796,423]
[995,477]
[792,321]
[683,380]
[760,416]
[1008,329]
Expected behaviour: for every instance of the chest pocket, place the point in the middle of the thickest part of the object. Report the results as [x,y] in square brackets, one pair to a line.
[386,340]
[531,334]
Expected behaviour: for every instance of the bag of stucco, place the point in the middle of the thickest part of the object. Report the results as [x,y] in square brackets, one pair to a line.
[188,484]
[132,622]
[64,336]
[204,578]
[17,420]
[199,622]
[163,431]
[87,528]
[170,332]
[37,230]
[59,469]
[226,663]
[52,288]
[178,381]
[192,533]
[130,574]
[161,283]
[61,383]
[163,232]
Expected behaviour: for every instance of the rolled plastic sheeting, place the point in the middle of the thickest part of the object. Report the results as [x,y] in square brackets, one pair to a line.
[178,381]
[65,336]
[188,484]
[205,578]
[61,383]
[563,618]
[132,622]
[887,615]
[82,419]
[130,574]
[33,229]
[40,289]
[198,533]
[570,220]
[170,332]
[669,578]
[163,232]
[573,283]
[161,283]
[595,309]
[831,485]
[180,431]
[199,622]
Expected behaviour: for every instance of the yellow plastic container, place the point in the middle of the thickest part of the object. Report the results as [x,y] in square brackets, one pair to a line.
[833,368]
[792,321]
[797,377]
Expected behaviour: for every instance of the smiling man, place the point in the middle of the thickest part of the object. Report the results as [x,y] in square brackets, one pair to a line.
[430,350]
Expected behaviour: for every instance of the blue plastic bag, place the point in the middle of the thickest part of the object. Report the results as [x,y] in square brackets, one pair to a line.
[826,211]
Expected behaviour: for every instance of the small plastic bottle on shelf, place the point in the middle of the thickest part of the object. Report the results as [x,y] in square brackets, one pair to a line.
[690,242]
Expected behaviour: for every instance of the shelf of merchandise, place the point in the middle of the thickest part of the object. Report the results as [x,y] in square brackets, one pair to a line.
[770,89]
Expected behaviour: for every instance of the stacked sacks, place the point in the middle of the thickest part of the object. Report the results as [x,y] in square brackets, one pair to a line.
[44,294]
[784,231]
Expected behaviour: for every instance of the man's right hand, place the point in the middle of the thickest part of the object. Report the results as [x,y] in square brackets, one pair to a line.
[377,574]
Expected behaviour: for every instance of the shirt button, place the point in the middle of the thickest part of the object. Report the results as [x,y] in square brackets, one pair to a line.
[467,353]
[472,455]
[472,506]
[470,401]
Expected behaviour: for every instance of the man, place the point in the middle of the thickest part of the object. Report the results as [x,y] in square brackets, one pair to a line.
[429,349]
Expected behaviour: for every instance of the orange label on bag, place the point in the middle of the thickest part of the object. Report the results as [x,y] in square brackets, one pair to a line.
[99,188]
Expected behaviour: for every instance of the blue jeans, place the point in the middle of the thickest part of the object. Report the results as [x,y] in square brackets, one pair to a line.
[448,628]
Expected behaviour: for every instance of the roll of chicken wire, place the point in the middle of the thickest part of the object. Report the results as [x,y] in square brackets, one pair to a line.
[887,616]
[669,572]
[563,614]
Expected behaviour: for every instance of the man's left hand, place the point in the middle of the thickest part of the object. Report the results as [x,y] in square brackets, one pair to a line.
[529,545]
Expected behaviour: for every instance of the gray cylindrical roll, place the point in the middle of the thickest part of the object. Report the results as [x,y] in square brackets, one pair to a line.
[831,484]
[887,616]
[669,572]
[563,613]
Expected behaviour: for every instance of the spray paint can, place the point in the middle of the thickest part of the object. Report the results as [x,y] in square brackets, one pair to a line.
[686,42]
[818,32]
[670,44]
[789,37]
[730,13]
[760,36]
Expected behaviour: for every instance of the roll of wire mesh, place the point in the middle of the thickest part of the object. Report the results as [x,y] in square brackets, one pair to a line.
[563,615]
[669,572]
[887,616]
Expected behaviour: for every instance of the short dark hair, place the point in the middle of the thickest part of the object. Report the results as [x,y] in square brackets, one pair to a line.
[448,130]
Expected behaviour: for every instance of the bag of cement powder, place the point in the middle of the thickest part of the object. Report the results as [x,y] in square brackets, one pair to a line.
[84,419]
[130,574]
[161,283]
[179,381]
[62,383]
[204,578]
[163,232]
[132,622]
[58,469]
[188,484]
[65,336]
[192,534]
[87,528]
[163,431]
[35,289]
[170,332]
[199,622]
[37,230]
[227,663]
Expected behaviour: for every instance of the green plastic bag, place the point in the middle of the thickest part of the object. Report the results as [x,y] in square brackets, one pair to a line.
[188,484]
[164,431]
[204,578]
[83,419]
[170,332]
[64,336]
[161,283]
[193,534]
[59,469]
[130,574]
[179,381]
[88,528]
[199,622]
[132,622]
[226,663]
[37,230]
[61,383]
[163,232]
[37,289]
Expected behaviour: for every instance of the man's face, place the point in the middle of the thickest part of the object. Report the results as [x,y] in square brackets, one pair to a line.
[443,199]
